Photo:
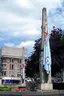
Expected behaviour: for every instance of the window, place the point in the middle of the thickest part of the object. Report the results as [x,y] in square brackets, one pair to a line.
[4,73]
[20,66]
[20,61]
[3,59]
[10,59]
[12,75]
[11,66]
[4,65]
[18,75]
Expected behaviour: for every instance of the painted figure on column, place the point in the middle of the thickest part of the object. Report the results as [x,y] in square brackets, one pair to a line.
[47,55]
[46,62]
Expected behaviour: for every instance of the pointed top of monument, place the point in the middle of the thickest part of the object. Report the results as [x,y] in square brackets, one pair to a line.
[44,8]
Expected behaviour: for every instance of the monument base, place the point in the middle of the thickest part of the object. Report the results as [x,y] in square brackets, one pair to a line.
[46,86]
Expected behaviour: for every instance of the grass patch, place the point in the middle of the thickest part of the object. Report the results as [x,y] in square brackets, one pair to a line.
[7,88]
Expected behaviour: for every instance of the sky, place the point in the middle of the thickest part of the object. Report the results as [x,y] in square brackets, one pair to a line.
[21,20]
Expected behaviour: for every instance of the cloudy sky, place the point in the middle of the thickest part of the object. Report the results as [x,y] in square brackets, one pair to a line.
[20,21]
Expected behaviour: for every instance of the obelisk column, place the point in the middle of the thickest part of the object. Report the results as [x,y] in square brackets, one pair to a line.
[44,21]
[44,77]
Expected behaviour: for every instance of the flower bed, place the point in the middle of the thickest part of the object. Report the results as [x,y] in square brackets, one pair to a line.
[20,89]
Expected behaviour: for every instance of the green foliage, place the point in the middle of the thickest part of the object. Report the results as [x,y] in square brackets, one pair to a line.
[62,38]
[33,61]
[6,88]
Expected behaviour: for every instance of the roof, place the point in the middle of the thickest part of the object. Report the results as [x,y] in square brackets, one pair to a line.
[12,52]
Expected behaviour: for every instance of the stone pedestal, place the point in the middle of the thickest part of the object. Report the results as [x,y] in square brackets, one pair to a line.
[46,86]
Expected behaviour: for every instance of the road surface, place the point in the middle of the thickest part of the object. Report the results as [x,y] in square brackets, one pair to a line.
[33,93]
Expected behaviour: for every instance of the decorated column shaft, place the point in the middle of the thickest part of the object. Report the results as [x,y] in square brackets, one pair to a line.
[45,50]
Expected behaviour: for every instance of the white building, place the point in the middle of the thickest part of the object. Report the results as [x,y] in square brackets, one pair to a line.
[11,61]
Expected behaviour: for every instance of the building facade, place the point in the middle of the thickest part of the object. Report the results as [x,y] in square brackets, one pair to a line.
[11,60]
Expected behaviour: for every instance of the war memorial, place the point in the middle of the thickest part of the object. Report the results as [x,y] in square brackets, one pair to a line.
[45,58]
[45,86]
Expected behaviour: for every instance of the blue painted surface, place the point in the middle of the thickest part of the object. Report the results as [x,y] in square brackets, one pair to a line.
[47,57]
[47,53]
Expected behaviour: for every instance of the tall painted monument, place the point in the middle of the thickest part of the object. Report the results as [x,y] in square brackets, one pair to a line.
[45,57]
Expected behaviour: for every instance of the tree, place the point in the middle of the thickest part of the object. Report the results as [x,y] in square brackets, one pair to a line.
[57,54]
[33,61]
